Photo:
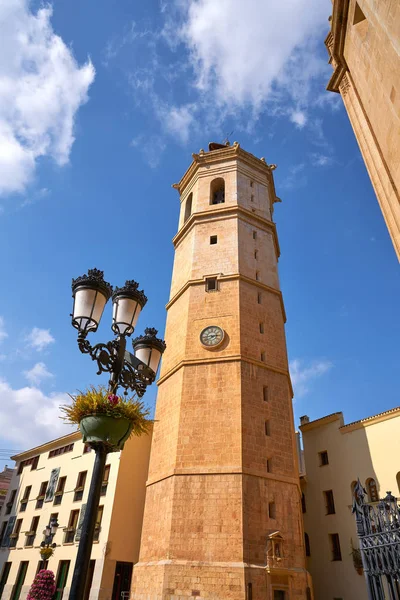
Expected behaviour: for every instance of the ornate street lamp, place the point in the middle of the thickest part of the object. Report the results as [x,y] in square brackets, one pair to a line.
[47,546]
[130,371]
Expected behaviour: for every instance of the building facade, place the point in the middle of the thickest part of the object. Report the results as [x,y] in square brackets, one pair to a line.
[223,504]
[336,455]
[364,50]
[5,479]
[52,481]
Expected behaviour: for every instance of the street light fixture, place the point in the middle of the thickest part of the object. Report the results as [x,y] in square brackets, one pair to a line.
[47,546]
[130,371]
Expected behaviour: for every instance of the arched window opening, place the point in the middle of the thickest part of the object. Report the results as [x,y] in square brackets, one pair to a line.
[307,544]
[188,207]
[398,480]
[372,490]
[217,191]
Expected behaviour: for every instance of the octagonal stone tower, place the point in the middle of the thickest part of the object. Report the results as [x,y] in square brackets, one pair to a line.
[223,506]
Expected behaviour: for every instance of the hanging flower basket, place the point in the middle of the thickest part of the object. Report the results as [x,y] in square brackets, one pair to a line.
[105,418]
[46,553]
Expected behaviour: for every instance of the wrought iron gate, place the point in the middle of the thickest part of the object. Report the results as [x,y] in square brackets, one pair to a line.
[378,529]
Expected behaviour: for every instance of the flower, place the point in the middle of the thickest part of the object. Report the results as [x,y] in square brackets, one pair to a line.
[113,399]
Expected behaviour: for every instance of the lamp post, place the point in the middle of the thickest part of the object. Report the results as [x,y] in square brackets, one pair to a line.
[130,371]
[47,546]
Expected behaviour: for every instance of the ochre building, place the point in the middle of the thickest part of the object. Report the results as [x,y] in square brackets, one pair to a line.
[52,481]
[364,49]
[335,456]
[223,504]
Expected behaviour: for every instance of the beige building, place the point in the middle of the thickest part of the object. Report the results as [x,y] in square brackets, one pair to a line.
[5,479]
[364,49]
[223,505]
[53,480]
[335,456]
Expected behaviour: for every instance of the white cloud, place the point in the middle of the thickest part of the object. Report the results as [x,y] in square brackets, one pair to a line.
[3,332]
[299,118]
[38,372]
[41,89]
[321,160]
[29,417]
[39,338]
[152,148]
[178,121]
[242,52]
[303,375]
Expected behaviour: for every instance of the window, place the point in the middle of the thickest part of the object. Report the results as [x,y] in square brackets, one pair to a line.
[272,510]
[29,461]
[217,191]
[25,498]
[269,465]
[372,490]
[42,493]
[259,297]
[249,591]
[358,15]
[4,576]
[98,524]
[213,239]
[308,593]
[254,235]
[261,327]
[251,183]
[61,450]
[188,207]
[257,275]
[323,458]
[262,356]
[60,491]
[329,502]
[335,546]
[10,503]
[256,254]
[31,534]
[16,592]
[307,544]
[252,198]
[279,595]
[303,504]
[211,284]
[62,575]
[265,393]
[267,428]
[80,486]
[86,449]
[106,477]
[3,530]
[15,534]
[71,529]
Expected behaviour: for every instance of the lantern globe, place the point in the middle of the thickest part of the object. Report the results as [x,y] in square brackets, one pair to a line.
[128,302]
[91,293]
[149,349]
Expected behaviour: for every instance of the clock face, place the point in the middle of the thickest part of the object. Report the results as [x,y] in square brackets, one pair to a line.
[212,336]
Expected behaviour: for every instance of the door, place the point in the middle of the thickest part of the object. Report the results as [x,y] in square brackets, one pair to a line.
[23,567]
[62,575]
[4,576]
[122,579]
[279,595]
[89,580]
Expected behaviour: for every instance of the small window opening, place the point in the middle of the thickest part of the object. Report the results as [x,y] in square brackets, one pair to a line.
[188,207]
[265,393]
[335,546]
[252,197]
[213,239]
[323,458]
[256,254]
[211,284]
[249,595]
[269,465]
[267,428]
[254,235]
[272,510]
[307,544]
[217,191]
[261,327]
[263,356]
[358,15]
[372,490]
[303,504]
[259,298]
[329,502]
[257,275]
[251,183]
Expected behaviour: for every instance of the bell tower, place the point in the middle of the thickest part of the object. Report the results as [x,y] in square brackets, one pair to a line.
[223,505]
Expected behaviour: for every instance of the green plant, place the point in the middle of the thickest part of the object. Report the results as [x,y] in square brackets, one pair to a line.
[99,401]
[46,553]
[357,559]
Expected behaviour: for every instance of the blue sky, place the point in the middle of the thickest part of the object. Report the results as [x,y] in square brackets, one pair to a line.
[101,106]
